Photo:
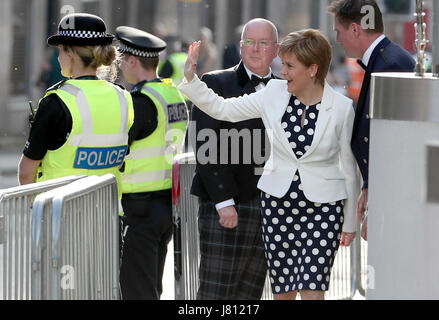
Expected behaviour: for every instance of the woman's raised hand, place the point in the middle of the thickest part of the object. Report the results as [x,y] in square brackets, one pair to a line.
[191,61]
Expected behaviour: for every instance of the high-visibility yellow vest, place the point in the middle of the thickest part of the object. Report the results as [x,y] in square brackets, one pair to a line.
[102,114]
[177,60]
[148,166]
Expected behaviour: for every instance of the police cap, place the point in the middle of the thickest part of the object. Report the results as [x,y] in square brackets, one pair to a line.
[139,43]
[81,29]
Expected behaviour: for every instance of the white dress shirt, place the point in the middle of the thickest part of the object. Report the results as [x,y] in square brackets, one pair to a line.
[368,53]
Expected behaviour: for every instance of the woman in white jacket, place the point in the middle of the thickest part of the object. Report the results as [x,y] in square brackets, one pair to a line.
[310,182]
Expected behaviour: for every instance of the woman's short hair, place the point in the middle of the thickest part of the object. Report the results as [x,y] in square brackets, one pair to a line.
[351,11]
[310,47]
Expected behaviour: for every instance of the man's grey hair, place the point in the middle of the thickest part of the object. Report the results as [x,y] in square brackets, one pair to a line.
[275,32]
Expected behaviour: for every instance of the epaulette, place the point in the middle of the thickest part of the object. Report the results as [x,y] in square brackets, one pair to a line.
[168,81]
[118,84]
[57,85]
[384,56]
[138,87]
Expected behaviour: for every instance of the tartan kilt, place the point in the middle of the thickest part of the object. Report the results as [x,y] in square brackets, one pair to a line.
[233,264]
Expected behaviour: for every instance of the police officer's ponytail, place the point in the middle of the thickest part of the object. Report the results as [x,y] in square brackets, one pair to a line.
[104,55]
[102,58]
[105,58]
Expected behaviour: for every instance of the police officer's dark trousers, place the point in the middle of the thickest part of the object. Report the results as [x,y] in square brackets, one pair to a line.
[147,230]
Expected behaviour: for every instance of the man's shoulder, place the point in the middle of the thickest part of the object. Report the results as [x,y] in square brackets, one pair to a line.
[398,51]
[396,58]
[224,82]
[221,75]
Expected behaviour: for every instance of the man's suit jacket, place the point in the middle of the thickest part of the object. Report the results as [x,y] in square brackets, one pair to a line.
[220,182]
[386,57]
[328,169]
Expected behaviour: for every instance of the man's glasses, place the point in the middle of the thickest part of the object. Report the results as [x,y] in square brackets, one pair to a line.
[264,44]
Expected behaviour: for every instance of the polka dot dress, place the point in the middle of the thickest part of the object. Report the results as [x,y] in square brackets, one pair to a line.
[301,237]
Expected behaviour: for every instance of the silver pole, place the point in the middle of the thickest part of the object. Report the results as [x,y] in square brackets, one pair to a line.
[421,40]
[435,56]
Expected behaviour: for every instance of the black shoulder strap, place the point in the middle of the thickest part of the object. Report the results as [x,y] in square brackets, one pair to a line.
[138,87]
[57,85]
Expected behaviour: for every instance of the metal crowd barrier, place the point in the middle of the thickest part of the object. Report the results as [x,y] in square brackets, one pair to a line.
[186,245]
[348,273]
[75,246]
[15,241]
[365,275]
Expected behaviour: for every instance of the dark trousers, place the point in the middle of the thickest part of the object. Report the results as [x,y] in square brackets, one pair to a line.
[233,264]
[147,229]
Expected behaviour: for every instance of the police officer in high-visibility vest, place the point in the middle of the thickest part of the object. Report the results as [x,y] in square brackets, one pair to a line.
[82,124]
[173,66]
[160,121]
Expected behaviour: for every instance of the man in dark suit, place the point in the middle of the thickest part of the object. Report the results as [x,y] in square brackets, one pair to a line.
[233,264]
[359,26]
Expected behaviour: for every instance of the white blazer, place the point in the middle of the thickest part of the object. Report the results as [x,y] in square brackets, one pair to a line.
[328,170]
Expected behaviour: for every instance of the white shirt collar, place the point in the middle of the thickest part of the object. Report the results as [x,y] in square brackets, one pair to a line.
[261,85]
[249,73]
[368,53]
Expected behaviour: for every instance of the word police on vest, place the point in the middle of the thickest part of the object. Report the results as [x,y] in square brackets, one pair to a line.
[99,158]
[177,112]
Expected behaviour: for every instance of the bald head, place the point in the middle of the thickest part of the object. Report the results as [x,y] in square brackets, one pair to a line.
[261,21]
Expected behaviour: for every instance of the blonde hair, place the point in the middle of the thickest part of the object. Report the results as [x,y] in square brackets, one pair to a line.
[102,58]
[310,47]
